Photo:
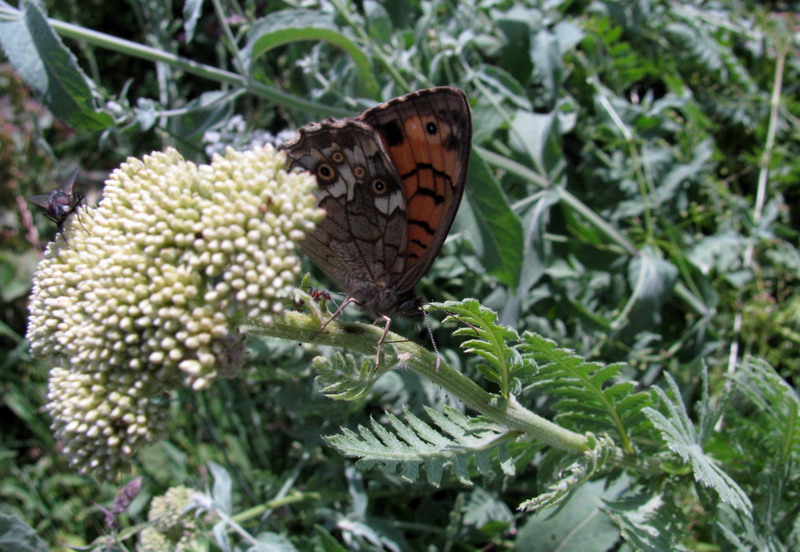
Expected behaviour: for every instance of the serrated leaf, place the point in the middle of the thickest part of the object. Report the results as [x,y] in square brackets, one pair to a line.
[343,378]
[721,252]
[414,442]
[573,476]
[588,395]
[683,439]
[488,339]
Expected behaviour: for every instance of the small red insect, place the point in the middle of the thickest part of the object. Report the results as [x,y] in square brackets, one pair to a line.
[320,295]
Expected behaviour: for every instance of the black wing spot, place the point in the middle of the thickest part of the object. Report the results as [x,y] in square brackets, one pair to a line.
[431,128]
[392,133]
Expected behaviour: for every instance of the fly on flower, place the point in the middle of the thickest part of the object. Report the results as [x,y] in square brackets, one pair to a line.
[60,203]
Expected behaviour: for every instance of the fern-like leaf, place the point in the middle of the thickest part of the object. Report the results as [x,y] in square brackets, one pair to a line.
[588,399]
[488,339]
[412,443]
[685,440]
[343,378]
[778,402]
[580,471]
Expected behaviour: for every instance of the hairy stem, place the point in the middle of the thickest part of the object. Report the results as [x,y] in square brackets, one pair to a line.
[363,338]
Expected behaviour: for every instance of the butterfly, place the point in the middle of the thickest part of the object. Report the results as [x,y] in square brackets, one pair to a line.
[391,181]
[60,203]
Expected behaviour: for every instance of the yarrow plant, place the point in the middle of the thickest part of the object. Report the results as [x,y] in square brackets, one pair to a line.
[143,293]
[174,525]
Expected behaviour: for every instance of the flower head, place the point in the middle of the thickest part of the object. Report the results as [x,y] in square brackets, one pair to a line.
[174,525]
[144,291]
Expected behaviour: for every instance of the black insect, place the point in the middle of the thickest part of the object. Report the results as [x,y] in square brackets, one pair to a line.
[60,203]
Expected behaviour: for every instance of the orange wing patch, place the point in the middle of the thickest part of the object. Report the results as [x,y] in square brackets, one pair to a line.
[427,135]
[427,170]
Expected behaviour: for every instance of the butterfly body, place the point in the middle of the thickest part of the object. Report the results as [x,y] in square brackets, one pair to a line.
[391,181]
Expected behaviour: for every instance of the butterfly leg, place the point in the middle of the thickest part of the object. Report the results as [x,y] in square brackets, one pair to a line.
[335,315]
[382,340]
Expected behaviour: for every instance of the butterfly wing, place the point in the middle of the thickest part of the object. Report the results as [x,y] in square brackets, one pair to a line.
[428,136]
[361,241]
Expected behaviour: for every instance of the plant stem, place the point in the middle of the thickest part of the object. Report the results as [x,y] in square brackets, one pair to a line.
[142,51]
[363,338]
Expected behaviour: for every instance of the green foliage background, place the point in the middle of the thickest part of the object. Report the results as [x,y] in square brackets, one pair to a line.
[632,196]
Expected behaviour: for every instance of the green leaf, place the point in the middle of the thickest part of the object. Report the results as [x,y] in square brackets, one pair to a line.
[223,486]
[287,26]
[587,396]
[497,234]
[574,476]
[326,542]
[764,416]
[16,271]
[683,439]
[50,69]
[207,111]
[414,443]
[536,252]
[649,522]
[486,509]
[8,332]
[533,135]
[721,252]
[192,10]
[746,535]
[579,526]
[342,378]
[546,53]
[487,339]
[514,56]
[16,535]
[271,542]
[652,280]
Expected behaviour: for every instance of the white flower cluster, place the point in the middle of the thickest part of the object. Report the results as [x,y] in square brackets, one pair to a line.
[144,291]
[174,527]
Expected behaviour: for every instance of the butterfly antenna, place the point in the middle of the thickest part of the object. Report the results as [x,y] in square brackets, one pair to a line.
[433,341]
[454,317]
